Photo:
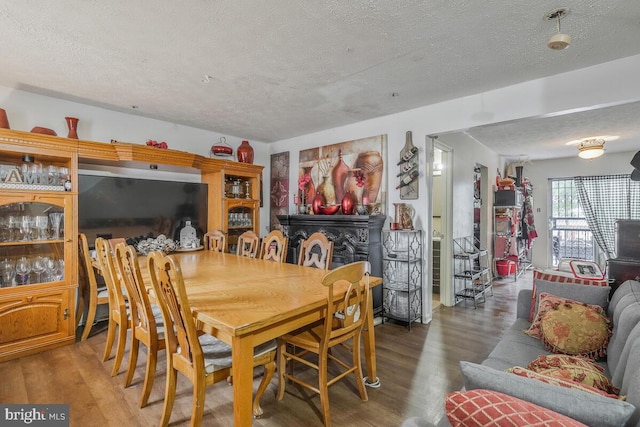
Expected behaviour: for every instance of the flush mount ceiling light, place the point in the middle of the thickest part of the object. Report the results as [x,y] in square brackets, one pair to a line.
[591,148]
[558,41]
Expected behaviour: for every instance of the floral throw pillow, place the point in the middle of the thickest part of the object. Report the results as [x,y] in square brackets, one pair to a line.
[479,407]
[575,329]
[561,382]
[548,302]
[573,368]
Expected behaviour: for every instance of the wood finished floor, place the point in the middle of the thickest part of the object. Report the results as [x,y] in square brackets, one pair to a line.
[416,369]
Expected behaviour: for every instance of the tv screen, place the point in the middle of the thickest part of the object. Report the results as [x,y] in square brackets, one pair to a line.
[136,208]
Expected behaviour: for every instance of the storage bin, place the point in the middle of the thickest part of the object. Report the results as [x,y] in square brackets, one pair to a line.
[505,267]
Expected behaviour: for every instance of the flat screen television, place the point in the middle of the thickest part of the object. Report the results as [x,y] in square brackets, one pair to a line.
[136,208]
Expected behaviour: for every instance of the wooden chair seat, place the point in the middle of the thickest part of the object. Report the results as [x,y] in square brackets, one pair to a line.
[96,295]
[202,359]
[248,244]
[119,318]
[342,326]
[316,251]
[215,240]
[147,322]
[274,247]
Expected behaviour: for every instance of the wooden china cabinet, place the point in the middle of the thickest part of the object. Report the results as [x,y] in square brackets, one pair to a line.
[38,192]
[237,186]
[38,242]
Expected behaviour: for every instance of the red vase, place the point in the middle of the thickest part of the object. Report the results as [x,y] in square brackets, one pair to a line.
[72,124]
[245,153]
[339,175]
[4,121]
[348,203]
[317,202]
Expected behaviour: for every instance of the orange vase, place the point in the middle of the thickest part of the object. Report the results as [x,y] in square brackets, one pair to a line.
[245,153]
[4,121]
[72,124]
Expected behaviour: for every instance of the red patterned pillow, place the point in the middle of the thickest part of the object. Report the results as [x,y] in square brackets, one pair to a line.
[559,381]
[479,407]
[575,329]
[573,368]
[559,277]
[551,302]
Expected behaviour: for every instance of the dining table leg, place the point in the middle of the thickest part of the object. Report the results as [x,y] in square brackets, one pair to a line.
[242,360]
[371,380]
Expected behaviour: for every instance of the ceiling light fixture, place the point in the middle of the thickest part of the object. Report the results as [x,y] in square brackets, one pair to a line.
[591,148]
[558,41]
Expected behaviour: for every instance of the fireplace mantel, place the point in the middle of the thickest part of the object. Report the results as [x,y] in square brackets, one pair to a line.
[354,237]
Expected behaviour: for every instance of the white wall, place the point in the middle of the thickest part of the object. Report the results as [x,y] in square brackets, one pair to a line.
[539,172]
[26,110]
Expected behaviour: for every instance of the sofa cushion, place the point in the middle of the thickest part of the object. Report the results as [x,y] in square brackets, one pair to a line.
[479,407]
[575,329]
[575,369]
[576,385]
[597,295]
[552,282]
[587,408]
[629,286]
[552,302]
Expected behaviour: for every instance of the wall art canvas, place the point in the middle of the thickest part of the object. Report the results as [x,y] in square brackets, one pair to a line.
[279,188]
[355,167]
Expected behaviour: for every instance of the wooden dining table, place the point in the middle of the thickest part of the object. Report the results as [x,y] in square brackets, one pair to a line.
[246,302]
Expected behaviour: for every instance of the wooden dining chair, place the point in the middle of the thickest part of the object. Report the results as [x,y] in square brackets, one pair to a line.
[146,319]
[201,358]
[94,295]
[118,311]
[274,247]
[215,240]
[248,244]
[316,251]
[321,337]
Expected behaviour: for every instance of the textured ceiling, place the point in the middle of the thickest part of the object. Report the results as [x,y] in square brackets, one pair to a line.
[281,68]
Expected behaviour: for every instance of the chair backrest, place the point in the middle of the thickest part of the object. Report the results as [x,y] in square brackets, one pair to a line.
[127,266]
[110,275]
[215,240]
[113,242]
[274,247]
[248,244]
[352,309]
[86,264]
[181,340]
[316,251]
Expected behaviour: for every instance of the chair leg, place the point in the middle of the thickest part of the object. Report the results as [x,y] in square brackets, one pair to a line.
[91,315]
[269,369]
[358,372]
[133,360]
[282,361]
[111,334]
[197,406]
[122,343]
[169,394]
[324,389]
[149,377]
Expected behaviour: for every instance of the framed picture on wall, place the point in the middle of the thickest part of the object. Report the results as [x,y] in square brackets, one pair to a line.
[355,167]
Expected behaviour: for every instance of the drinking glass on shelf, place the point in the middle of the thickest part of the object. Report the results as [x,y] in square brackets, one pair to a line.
[8,272]
[13,222]
[38,266]
[53,268]
[23,269]
[25,227]
[60,275]
[42,221]
[56,221]
[54,175]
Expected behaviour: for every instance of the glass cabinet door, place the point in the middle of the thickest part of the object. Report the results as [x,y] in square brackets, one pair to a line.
[33,246]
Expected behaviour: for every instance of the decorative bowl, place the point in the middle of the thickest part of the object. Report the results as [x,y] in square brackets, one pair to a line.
[160,243]
[328,210]
[44,131]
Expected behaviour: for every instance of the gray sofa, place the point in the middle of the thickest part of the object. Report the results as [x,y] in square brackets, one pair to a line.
[622,364]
